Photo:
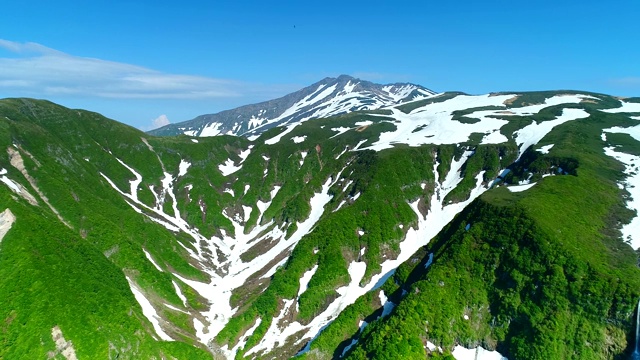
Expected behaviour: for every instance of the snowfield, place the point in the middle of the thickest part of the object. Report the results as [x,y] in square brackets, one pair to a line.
[434,124]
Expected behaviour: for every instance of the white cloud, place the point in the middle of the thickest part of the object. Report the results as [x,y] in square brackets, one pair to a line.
[42,71]
[160,121]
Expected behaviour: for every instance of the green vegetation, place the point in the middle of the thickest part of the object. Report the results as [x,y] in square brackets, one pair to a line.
[72,277]
[537,276]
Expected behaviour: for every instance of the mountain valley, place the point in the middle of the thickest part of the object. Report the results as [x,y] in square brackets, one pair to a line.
[347,220]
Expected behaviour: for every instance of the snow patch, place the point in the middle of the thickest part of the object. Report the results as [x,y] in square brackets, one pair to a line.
[545,149]
[432,347]
[299,139]
[479,353]
[433,123]
[340,130]
[183,167]
[228,167]
[211,129]
[364,123]
[276,139]
[520,188]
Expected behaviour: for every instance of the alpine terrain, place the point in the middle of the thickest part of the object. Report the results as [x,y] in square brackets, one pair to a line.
[328,97]
[346,220]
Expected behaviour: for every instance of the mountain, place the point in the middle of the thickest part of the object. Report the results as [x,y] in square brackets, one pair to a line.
[456,226]
[328,97]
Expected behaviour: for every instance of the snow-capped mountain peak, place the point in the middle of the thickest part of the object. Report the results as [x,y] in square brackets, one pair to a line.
[328,97]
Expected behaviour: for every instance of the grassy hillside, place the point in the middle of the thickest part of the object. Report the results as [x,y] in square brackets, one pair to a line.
[540,274]
[193,223]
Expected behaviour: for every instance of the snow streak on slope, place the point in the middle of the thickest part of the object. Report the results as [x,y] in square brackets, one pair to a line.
[631,231]
[438,216]
[13,186]
[343,101]
[531,134]
[17,188]
[230,354]
[146,253]
[171,222]
[277,138]
[218,291]
[179,293]
[148,311]
[304,280]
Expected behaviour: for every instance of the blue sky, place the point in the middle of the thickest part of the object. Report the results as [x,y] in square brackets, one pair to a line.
[137,60]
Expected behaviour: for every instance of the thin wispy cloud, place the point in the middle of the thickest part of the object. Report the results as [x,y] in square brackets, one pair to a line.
[38,70]
[631,81]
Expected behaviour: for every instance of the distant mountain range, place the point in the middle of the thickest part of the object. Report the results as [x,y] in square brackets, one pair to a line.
[328,97]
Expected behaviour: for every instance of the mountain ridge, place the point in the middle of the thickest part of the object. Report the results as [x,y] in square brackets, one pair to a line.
[327,97]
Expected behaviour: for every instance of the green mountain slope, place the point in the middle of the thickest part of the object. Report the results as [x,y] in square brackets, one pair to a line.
[539,274]
[134,246]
